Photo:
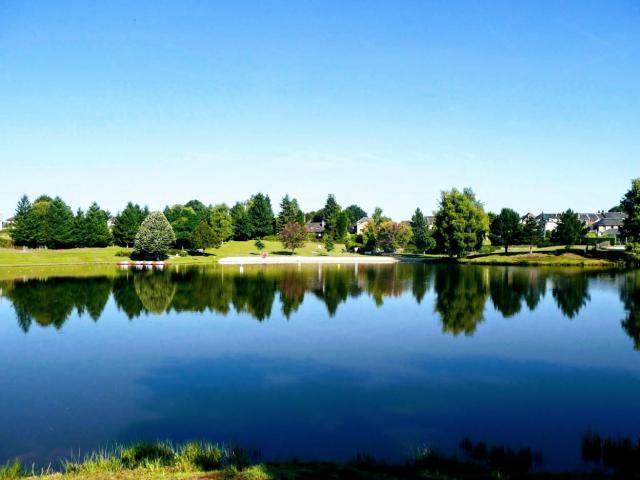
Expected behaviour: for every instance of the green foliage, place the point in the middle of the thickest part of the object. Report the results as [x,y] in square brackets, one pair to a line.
[329,245]
[203,236]
[96,228]
[21,232]
[461,223]
[199,456]
[532,232]
[155,236]
[422,239]
[11,471]
[259,244]
[184,221]
[293,235]
[378,216]
[631,206]
[570,230]
[240,222]
[392,236]
[61,225]
[505,228]
[260,215]
[127,223]
[147,454]
[336,222]
[289,213]
[354,213]
[221,224]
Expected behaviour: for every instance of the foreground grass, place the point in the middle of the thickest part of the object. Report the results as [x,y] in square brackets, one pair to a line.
[112,255]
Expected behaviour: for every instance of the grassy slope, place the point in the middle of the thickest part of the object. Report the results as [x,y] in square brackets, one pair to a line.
[538,259]
[76,256]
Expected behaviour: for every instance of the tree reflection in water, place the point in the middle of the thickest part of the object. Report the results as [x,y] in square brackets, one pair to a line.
[459,293]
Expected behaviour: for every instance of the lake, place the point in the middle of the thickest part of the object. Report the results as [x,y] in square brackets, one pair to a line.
[320,362]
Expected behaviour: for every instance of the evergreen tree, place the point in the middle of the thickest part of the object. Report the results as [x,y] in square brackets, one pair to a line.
[421,237]
[96,227]
[240,222]
[261,215]
[62,224]
[461,222]
[570,230]
[331,213]
[505,228]
[79,229]
[221,224]
[155,236]
[203,236]
[532,233]
[354,213]
[40,223]
[631,206]
[21,231]
[127,224]
[289,213]
[184,221]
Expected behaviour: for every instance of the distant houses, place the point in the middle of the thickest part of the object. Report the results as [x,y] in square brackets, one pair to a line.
[6,223]
[360,225]
[602,224]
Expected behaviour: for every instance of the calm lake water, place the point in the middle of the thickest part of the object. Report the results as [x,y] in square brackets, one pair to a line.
[320,362]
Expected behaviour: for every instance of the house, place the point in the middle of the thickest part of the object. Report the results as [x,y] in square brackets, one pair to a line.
[550,220]
[317,228]
[430,221]
[608,224]
[360,225]
[6,223]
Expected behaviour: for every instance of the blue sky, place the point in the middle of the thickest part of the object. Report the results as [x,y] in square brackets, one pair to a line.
[535,105]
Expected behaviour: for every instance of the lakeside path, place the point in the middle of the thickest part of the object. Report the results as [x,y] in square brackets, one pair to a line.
[295,260]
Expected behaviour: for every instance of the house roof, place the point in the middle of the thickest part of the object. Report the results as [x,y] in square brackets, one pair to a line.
[430,219]
[609,222]
[363,220]
[315,227]
[615,215]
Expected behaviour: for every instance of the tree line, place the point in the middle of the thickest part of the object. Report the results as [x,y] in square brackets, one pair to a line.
[461,225]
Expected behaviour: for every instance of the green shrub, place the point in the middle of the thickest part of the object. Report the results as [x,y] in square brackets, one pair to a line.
[11,471]
[200,456]
[123,253]
[147,454]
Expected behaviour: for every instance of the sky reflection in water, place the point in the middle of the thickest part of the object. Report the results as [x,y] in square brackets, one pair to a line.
[320,362]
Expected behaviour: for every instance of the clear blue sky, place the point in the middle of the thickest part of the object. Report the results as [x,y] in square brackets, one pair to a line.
[535,105]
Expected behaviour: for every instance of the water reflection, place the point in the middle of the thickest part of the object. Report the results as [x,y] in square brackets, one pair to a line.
[460,293]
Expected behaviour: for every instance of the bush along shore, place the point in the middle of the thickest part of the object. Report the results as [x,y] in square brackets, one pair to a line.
[610,458]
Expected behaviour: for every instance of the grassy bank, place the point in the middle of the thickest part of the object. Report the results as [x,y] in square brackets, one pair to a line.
[112,255]
[198,460]
[556,259]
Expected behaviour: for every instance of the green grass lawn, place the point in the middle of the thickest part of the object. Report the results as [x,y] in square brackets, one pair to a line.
[538,259]
[80,256]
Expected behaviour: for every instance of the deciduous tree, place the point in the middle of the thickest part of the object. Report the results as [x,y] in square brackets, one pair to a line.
[631,206]
[293,235]
[461,222]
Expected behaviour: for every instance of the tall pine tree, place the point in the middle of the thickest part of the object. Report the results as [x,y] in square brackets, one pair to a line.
[261,215]
[21,232]
[97,228]
[289,213]
[127,224]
